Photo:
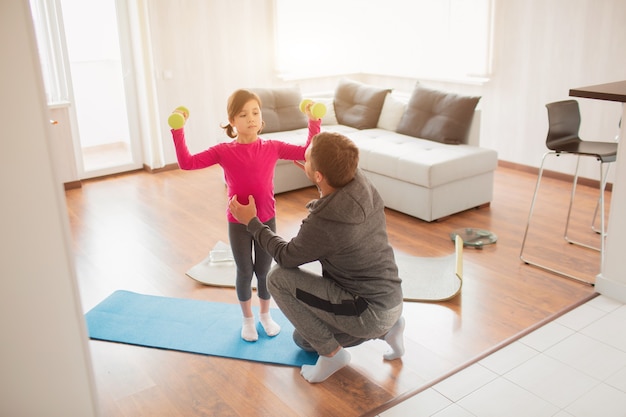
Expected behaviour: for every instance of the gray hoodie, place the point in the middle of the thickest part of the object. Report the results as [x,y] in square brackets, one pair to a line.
[346,232]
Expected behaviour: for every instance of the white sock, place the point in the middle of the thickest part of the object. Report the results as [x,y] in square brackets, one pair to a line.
[325,366]
[269,325]
[248,330]
[395,339]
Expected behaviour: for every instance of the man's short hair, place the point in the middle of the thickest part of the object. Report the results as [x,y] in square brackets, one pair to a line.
[334,156]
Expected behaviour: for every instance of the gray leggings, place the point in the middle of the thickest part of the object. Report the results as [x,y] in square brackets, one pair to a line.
[319,330]
[241,243]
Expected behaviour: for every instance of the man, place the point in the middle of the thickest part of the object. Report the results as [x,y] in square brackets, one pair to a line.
[359,296]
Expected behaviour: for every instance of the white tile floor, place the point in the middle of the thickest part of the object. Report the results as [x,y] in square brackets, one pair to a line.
[574,366]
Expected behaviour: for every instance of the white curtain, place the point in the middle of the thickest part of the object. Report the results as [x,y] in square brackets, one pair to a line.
[147,103]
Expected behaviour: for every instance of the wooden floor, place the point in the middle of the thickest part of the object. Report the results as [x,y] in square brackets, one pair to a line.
[141,232]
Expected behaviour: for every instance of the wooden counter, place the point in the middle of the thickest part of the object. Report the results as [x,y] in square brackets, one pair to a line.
[611,92]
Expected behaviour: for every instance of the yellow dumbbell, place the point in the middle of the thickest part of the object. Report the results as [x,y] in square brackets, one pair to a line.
[178,117]
[318,110]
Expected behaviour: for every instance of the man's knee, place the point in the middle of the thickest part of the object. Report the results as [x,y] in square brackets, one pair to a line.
[275,278]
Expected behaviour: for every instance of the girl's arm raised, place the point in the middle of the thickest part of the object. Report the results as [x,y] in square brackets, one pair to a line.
[186,160]
[315,126]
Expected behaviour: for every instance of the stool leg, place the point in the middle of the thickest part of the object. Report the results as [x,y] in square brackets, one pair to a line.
[595,215]
[595,212]
[532,207]
[571,200]
[603,177]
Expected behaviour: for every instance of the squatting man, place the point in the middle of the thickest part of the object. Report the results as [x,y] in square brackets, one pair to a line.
[358,297]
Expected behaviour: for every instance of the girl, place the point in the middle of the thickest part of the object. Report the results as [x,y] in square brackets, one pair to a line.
[248,163]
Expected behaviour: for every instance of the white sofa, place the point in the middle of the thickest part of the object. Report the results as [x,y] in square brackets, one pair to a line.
[423,178]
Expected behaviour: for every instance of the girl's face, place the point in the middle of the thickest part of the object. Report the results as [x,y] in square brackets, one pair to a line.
[248,121]
[308,166]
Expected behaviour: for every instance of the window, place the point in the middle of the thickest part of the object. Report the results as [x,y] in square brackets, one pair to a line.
[411,38]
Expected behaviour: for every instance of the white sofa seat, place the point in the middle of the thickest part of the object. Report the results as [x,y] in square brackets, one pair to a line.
[419,177]
[287,176]
[420,161]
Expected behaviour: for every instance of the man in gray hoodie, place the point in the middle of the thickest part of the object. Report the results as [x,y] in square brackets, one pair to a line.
[358,297]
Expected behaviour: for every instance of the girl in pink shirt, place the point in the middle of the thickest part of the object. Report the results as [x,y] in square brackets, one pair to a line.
[248,163]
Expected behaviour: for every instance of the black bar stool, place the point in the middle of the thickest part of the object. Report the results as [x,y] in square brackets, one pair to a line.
[563,139]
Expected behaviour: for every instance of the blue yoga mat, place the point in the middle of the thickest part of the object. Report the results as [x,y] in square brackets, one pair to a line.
[191,326]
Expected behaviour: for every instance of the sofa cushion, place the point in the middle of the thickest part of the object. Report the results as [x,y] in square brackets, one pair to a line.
[391,113]
[420,161]
[358,105]
[438,115]
[281,109]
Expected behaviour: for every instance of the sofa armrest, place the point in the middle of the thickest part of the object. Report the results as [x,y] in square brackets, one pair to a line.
[473,137]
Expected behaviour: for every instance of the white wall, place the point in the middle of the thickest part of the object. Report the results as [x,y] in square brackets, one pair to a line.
[612,279]
[542,48]
[203,51]
[45,368]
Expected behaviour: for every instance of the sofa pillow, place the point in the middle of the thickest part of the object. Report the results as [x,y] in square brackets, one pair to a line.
[358,105]
[281,109]
[391,113]
[438,115]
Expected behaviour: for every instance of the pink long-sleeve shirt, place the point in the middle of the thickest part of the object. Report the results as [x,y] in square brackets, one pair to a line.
[248,168]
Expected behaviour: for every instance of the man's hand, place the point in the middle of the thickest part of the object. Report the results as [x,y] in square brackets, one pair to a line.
[243,213]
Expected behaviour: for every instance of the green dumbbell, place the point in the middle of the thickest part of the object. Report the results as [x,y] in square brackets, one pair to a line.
[318,110]
[178,117]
